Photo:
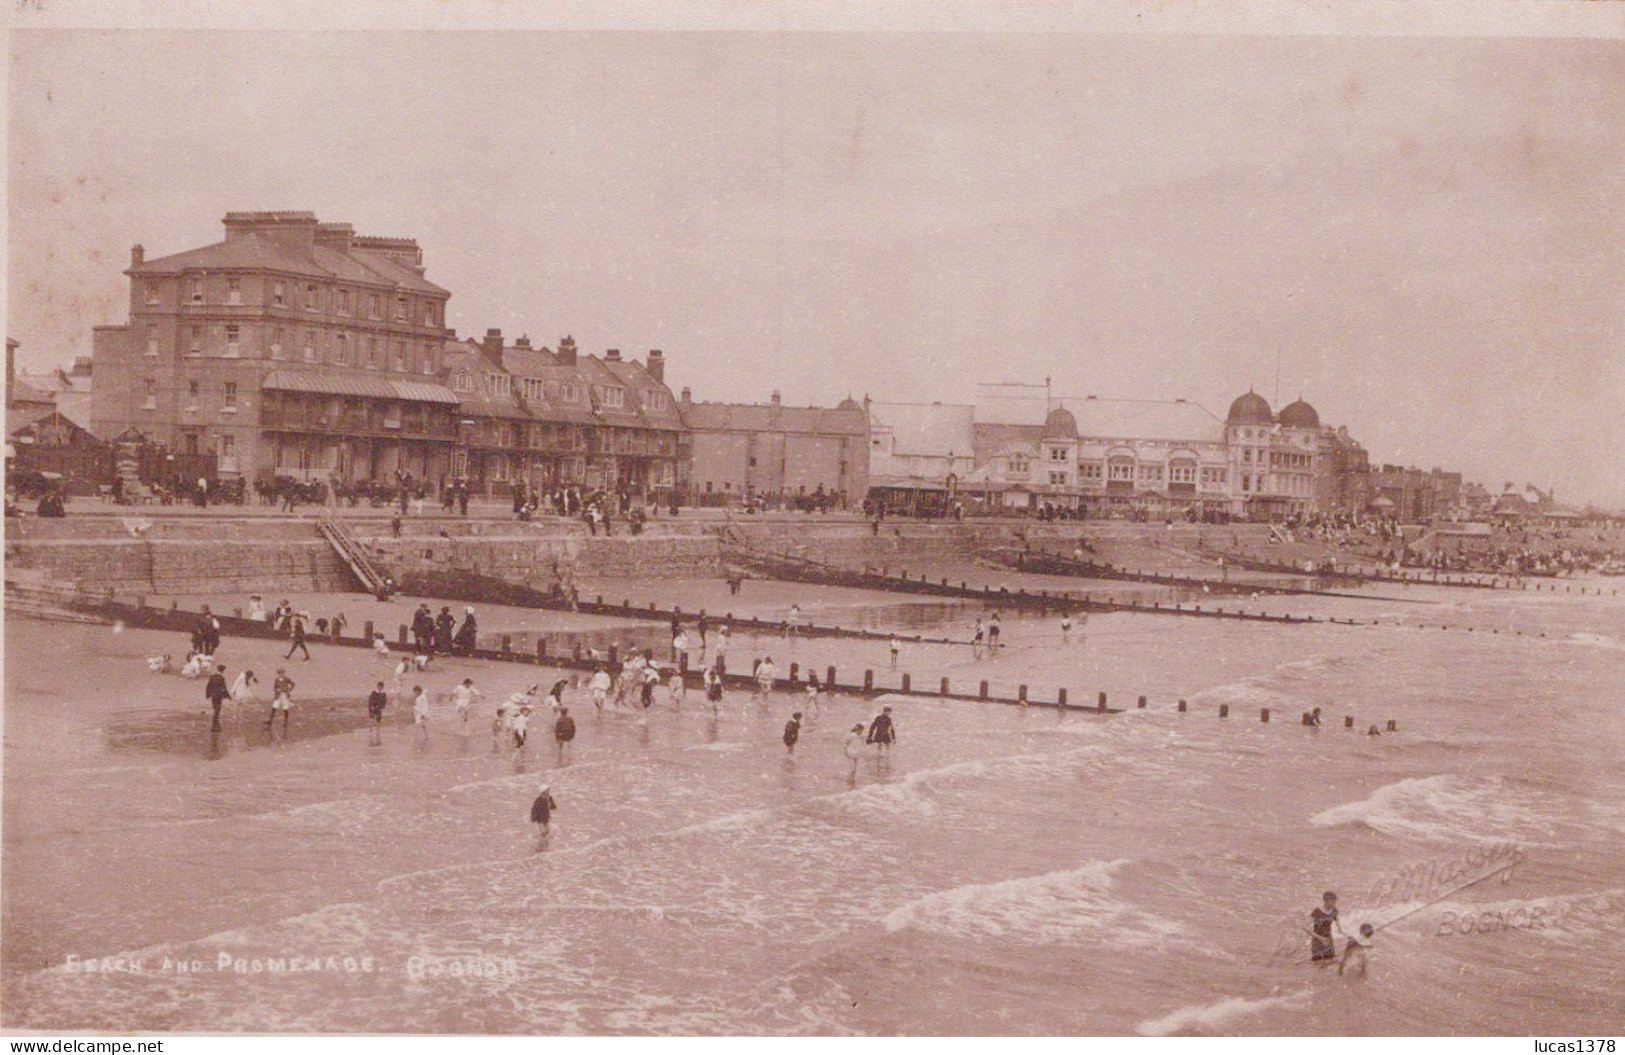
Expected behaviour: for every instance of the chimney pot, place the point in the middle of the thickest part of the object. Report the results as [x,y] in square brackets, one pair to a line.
[493,344]
[657,365]
[613,355]
[137,255]
[776,399]
[688,395]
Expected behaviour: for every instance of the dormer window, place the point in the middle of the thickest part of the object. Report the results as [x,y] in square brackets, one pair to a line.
[612,397]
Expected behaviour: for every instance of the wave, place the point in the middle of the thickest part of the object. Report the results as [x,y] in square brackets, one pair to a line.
[1437,808]
[1613,644]
[1054,907]
[1217,1016]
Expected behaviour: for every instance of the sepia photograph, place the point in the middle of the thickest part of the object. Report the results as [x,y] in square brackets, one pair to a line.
[866,520]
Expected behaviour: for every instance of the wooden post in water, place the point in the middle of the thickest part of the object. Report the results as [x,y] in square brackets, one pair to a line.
[944,686]
[367,628]
[1060,699]
[1348,721]
[541,649]
[906,683]
[982,690]
[1142,703]
[1021,695]
[507,643]
[1393,726]
[868,681]
[1100,704]
[1181,706]
[400,635]
[1264,714]
[1224,710]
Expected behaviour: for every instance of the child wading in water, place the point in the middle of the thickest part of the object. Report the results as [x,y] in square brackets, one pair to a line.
[541,814]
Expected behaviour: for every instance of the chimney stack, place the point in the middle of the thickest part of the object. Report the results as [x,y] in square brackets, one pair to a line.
[493,345]
[523,341]
[613,355]
[688,394]
[567,351]
[137,255]
[657,365]
[776,400]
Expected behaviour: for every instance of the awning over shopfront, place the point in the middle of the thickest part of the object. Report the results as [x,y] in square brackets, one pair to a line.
[364,387]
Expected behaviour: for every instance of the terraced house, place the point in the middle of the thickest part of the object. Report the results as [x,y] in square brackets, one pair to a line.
[560,418]
[290,348]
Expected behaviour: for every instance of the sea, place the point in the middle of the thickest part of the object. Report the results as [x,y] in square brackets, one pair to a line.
[1002,870]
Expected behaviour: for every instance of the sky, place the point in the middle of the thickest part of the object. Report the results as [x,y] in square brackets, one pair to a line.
[1426,233]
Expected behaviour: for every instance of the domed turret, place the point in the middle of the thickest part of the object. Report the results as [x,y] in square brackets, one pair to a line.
[1250,409]
[1299,415]
[1060,425]
[849,404]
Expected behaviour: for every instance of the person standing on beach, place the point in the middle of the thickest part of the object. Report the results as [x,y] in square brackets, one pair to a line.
[977,641]
[896,647]
[853,748]
[677,688]
[444,623]
[792,732]
[242,691]
[520,724]
[793,626]
[701,625]
[599,687]
[564,731]
[216,693]
[296,635]
[281,699]
[1066,627]
[812,689]
[882,733]
[376,701]
[993,634]
[541,814]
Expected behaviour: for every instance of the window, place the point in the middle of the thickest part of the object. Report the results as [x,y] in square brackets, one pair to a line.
[462,382]
[753,461]
[192,388]
[612,397]
[276,343]
[1121,470]
[659,401]
[150,402]
[1247,455]
[374,306]
[310,297]
[1057,478]
[234,291]
[374,356]
[534,389]
[341,349]
[1057,454]
[231,393]
[310,346]
[152,341]
[428,359]
[279,293]
[501,384]
[233,334]
[400,309]
[400,355]
[1151,473]
[428,314]
[197,291]
[1091,471]
[571,392]
[343,297]
[1019,465]
[152,292]
[196,346]
[1213,477]
[1182,473]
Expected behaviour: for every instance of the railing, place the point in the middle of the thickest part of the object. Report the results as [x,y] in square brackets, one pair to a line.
[351,552]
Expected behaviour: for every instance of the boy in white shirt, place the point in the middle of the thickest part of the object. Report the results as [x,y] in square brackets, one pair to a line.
[420,712]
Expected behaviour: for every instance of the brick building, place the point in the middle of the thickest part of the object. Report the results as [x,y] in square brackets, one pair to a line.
[778,452]
[561,418]
[290,348]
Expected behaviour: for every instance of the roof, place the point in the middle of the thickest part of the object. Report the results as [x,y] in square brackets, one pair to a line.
[350,385]
[1299,415]
[766,417]
[1145,419]
[928,428]
[1250,409]
[23,392]
[251,251]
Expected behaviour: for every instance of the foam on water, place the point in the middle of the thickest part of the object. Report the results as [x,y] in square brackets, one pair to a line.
[1054,907]
[1598,641]
[1218,1016]
[1439,808]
